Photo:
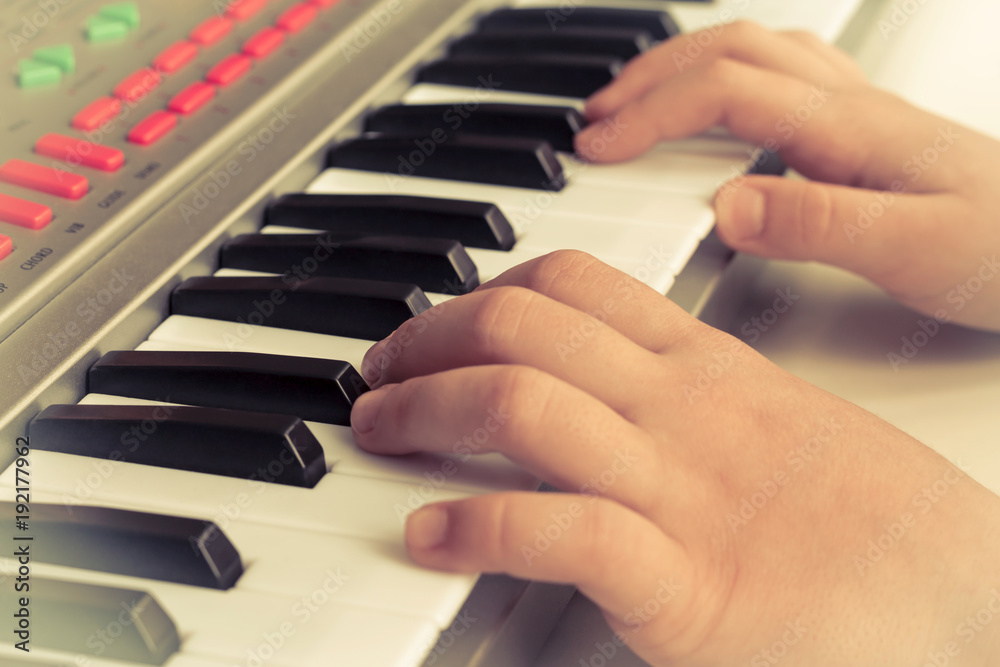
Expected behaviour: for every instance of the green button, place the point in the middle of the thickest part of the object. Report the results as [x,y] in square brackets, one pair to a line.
[101,29]
[32,74]
[126,12]
[61,56]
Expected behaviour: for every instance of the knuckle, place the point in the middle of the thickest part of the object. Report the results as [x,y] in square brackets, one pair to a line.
[497,318]
[745,31]
[559,268]
[524,393]
[724,71]
[815,216]
[404,409]
[602,540]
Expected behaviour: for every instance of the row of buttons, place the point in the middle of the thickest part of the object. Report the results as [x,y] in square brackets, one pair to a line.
[133,88]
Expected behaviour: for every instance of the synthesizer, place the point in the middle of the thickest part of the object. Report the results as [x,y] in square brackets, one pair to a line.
[168,171]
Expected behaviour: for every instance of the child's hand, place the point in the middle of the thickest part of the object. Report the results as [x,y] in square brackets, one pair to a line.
[907,199]
[720,511]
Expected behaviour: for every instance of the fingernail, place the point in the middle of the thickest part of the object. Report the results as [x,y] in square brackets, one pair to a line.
[427,527]
[371,365]
[740,212]
[365,410]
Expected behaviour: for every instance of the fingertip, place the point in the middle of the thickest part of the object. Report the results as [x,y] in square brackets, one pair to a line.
[740,212]
[364,413]
[427,529]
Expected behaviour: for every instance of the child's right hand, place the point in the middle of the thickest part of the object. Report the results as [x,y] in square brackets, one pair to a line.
[905,198]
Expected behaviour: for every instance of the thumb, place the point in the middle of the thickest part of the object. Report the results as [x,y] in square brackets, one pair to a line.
[869,232]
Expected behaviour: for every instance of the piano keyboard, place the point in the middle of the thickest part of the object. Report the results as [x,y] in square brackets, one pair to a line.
[315,572]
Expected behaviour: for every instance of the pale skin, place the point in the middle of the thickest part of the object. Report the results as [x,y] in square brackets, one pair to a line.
[756,515]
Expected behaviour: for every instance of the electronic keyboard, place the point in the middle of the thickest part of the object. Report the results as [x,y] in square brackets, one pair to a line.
[207,215]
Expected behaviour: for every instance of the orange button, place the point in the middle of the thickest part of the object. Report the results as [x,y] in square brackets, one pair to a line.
[80,151]
[137,85]
[175,56]
[192,98]
[152,128]
[94,114]
[24,213]
[229,69]
[211,30]
[296,17]
[264,42]
[241,10]
[44,179]
[6,245]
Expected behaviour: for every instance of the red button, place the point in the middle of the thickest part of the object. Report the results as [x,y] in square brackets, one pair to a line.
[24,213]
[95,113]
[264,42]
[323,4]
[192,98]
[296,17]
[80,151]
[137,85]
[6,245]
[241,10]
[229,69]
[211,30]
[44,179]
[175,56]
[152,128]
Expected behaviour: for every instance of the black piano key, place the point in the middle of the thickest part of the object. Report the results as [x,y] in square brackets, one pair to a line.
[556,125]
[321,390]
[568,76]
[659,25]
[524,163]
[233,443]
[621,43]
[367,309]
[84,619]
[473,224]
[434,265]
[136,544]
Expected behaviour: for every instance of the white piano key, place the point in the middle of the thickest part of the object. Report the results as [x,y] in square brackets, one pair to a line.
[461,471]
[278,630]
[340,504]
[434,93]
[658,170]
[205,333]
[601,203]
[47,657]
[372,575]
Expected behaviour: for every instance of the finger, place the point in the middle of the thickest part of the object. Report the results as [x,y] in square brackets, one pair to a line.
[554,430]
[885,236]
[743,41]
[750,101]
[581,281]
[512,325]
[616,557]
